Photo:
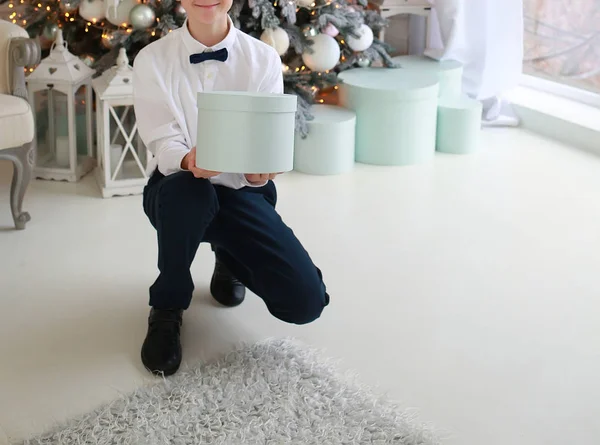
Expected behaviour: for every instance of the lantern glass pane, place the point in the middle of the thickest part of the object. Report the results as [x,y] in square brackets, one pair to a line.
[81,123]
[123,139]
[52,129]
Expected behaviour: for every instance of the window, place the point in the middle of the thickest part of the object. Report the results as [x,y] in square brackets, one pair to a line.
[562,42]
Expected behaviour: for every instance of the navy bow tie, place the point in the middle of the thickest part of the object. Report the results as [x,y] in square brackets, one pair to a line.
[220,55]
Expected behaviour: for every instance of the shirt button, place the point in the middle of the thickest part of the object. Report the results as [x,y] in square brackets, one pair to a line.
[210,76]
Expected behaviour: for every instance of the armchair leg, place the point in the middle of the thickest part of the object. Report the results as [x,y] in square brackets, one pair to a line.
[22,159]
[20,182]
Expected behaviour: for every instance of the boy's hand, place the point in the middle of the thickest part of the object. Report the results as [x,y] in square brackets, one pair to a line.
[260,178]
[189,163]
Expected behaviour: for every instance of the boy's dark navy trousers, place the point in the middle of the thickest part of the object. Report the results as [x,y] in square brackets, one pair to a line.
[247,234]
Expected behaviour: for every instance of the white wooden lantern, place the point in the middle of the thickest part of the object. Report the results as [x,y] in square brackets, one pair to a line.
[122,156]
[60,94]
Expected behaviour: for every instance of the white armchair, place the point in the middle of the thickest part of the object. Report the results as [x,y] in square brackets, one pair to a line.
[17,50]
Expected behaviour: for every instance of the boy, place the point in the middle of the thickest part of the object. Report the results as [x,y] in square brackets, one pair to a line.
[187,205]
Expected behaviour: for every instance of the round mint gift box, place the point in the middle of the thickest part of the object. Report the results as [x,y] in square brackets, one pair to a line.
[459,125]
[449,72]
[242,132]
[396,112]
[328,149]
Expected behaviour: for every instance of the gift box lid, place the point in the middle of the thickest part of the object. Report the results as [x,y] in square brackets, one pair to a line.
[397,3]
[243,101]
[330,114]
[427,64]
[392,84]
[462,102]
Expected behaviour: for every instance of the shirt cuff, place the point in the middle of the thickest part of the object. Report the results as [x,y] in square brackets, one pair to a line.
[169,161]
[246,183]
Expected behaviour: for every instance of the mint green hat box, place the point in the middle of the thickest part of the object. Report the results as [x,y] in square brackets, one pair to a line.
[328,149]
[243,132]
[448,72]
[396,112]
[459,125]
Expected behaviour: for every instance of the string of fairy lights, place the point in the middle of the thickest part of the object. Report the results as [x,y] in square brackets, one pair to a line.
[71,16]
[302,69]
[55,12]
[56,15]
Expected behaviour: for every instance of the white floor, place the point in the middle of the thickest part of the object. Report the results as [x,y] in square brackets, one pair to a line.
[467,288]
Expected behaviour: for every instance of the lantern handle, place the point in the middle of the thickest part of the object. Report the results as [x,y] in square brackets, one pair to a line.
[122,59]
[59,44]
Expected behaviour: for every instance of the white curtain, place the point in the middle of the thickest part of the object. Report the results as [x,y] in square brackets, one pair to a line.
[486,36]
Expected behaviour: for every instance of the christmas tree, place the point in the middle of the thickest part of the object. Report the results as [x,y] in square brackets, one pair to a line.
[316,39]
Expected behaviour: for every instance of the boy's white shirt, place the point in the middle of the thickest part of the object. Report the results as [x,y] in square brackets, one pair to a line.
[166,86]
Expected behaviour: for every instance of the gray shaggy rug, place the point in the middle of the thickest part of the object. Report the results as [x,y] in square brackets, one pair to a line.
[274,392]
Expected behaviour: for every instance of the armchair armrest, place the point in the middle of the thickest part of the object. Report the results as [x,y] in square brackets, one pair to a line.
[22,52]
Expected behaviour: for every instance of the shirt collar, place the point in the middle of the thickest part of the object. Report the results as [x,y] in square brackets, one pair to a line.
[194,46]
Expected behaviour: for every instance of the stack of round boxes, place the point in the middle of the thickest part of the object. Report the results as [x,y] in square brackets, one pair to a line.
[397,116]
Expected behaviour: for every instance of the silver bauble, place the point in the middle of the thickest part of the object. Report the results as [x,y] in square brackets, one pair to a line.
[363,61]
[67,6]
[49,31]
[88,59]
[109,39]
[142,16]
[180,11]
[310,31]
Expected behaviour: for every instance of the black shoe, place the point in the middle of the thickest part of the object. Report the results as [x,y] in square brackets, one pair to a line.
[225,288]
[161,351]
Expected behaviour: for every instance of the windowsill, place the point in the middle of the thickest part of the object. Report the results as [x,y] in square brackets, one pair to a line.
[567,119]
[556,106]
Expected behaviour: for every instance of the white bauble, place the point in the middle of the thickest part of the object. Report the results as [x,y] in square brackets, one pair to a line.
[304,3]
[121,15]
[325,53]
[277,38]
[364,40]
[92,10]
